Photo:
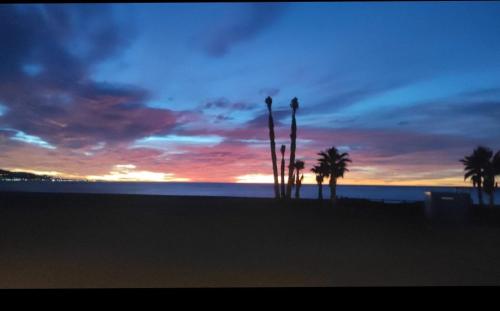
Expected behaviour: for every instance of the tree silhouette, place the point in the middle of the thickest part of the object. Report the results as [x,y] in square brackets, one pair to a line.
[269,102]
[283,147]
[476,167]
[335,164]
[299,165]
[294,104]
[489,184]
[321,172]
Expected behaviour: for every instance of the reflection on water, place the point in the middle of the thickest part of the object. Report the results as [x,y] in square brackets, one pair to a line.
[387,193]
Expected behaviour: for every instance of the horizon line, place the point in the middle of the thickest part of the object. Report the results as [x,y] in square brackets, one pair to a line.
[240,183]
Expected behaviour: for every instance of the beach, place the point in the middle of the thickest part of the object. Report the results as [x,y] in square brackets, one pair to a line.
[51,240]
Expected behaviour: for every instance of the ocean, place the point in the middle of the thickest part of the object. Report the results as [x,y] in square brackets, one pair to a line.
[378,193]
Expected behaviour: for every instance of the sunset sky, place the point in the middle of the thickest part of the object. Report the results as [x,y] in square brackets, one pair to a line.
[176,92]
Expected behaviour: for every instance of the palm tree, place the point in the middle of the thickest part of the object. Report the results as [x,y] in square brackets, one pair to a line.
[489,184]
[293,137]
[476,166]
[335,164]
[269,102]
[496,172]
[299,165]
[283,147]
[321,172]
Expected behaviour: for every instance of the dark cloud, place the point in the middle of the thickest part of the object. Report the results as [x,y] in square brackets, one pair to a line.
[346,96]
[224,103]
[59,102]
[489,109]
[482,93]
[385,146]
[474,116]
[261,121]
[65,40]
[257,18]
[221,118]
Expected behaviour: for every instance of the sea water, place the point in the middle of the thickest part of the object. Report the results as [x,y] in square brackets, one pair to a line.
[379,193]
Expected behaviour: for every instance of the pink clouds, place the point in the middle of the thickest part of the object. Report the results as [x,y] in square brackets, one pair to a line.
[55,114]
[231,159]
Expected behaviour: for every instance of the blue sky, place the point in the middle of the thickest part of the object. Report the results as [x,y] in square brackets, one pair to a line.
[422,78]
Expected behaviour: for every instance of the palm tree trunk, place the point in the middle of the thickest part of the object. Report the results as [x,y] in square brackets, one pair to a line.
[480,195]
[273,155]
[283,171]
[333,189]
[293,137]
[320,191]
[297,185]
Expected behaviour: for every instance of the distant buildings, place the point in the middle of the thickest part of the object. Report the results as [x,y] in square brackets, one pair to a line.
[23,176]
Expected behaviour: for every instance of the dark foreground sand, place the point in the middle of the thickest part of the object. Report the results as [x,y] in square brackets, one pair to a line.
[76,240]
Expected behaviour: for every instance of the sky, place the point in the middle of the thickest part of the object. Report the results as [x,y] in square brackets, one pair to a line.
[175,92]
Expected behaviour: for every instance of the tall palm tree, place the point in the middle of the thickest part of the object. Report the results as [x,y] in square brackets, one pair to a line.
[299,165]
[269,102]
[294,104]
[283,171]
[336,166]
[476,166]
[321,172]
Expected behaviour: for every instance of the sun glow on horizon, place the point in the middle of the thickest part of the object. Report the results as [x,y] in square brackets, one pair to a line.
[255,179]
[127,172]
[310,179]
[130,173]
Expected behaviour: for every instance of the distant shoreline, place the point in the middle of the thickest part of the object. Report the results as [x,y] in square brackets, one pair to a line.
[374,193]
[224,183]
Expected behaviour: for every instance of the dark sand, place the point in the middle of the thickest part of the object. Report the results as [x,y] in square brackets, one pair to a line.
[78,240]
